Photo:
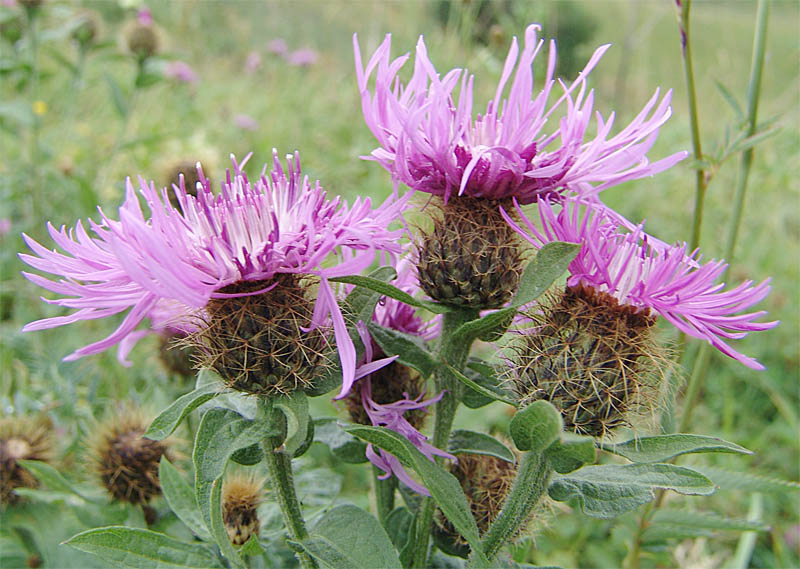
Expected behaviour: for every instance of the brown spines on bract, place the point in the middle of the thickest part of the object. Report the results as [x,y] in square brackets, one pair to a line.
[592,358]
[471,257]
[21,438]
[142,40]
[388,384]
[177,355]
[125,462]
[241,496]
[257,343]
[486,481]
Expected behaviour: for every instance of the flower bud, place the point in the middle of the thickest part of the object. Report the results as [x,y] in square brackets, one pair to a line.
[21,438]
[241,497]
[86,30]
[257,343]
[472,257]
[125,462]
[142,40]
[589,356]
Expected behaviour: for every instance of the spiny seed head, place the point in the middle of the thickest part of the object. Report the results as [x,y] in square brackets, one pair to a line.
[177,354]
[471,257]
[257,343]
[486,481]
[592,358]
[389,384]
[241,496]
[125,462]
[21,438]
[142,40]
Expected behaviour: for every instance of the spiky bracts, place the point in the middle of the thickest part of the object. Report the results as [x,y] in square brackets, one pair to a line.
[241,496]
[177,354]
[471,257]
[21,438]
[486,481]
[594,359]
[125,462]
[257,343]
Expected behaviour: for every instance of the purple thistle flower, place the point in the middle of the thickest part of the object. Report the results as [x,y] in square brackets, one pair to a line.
[144,16]
[431,143]
[278,46]
[302,57]
[253,62]
[666,281]
[251,231]
[245,122]
[180,71]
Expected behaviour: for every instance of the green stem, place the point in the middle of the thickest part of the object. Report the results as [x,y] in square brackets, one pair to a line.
[530,485]
[454,354]
[384,494]
[279,465]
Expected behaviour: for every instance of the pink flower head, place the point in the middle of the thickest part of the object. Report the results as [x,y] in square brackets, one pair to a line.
[180,71]
[245,122]
[251,231]
[144,16]
[302,57]
[391,417]
[5,226]
[253,62]
[278,47]
[429,140]
[666,281]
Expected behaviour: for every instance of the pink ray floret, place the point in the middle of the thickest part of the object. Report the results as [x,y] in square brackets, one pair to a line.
[519,147]
[667,281]
[174,260]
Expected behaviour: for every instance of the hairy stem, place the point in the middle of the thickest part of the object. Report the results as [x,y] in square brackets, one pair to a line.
[384,494]
[530,484]
[279,465]
[454,354]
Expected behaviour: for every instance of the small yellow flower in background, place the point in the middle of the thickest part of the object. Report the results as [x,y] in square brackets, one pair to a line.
[39,108]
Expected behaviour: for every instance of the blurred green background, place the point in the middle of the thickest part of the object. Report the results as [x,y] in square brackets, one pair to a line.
[74,124]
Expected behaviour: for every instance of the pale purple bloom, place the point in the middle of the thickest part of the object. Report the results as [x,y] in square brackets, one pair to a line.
[429,140]
[253,62]
[278,46]
[245,122]
[5,226]
[144,17]
[667,281]
[180,71]
[391,417]
[251,231]
[302,57]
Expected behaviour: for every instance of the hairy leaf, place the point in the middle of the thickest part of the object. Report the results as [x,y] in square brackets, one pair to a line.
[410,349]
[536,427]
[169,419]
[470,442]
[180,498]
[343,445]
[660,448]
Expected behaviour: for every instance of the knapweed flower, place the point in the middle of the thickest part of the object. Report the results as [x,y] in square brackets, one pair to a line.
[302,57]
[278,46]
[21,438]
[393,396]
[180,71]
[240,262]
[241,496]
[672,283]
[430,142]
[245,122]
[592,352]
[252,62]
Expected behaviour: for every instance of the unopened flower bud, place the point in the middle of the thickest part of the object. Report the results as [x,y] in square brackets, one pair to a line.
[142,40]
[21,438]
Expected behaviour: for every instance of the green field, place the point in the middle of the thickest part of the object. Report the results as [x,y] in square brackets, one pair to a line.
[93,128]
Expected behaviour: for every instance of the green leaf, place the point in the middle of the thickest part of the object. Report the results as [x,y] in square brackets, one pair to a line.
[399,525]
[747,481]
[481,390]
[661,448]
[443,486]
[51,478]
[483,327]
[570,454]
[410,349]
[180,498]
[730,99]
[485,376]
[550,262]
[536,427]
[169,419]
[252,547]
[343,445]
[392,292]
[362,300]
[295,409]
[221,433]
[143,549]
[218,526]
[470,442]
[248,456]
[609,490]
[347,537]
[117,96]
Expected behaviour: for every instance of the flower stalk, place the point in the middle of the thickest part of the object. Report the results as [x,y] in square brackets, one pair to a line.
[384,494]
